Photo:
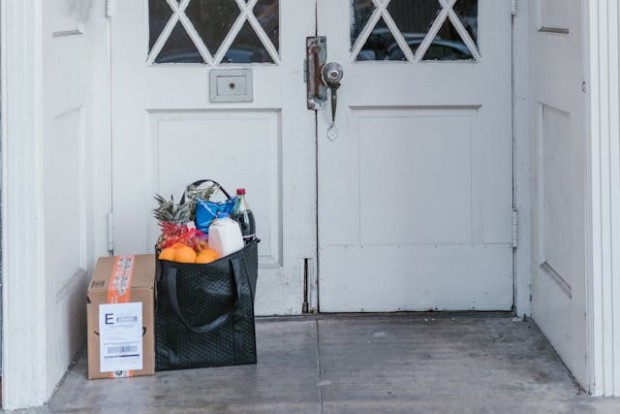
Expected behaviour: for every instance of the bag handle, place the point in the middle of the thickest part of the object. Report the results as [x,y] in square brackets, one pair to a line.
[171,280]
[200,182]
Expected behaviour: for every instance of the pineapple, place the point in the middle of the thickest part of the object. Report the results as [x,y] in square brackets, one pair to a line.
[176,223]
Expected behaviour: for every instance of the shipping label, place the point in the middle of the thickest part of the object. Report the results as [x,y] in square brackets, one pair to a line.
[120,336]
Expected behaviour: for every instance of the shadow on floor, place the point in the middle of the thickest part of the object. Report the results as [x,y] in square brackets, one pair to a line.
[358,364]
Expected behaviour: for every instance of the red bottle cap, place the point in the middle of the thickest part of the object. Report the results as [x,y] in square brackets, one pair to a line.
[240,191]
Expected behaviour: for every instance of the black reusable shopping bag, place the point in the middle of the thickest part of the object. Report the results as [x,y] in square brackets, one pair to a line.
[205,312]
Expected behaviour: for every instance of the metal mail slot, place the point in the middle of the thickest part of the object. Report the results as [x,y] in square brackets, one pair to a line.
[231,85]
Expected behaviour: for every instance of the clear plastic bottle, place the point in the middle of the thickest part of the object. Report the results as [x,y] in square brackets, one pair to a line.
[225,235]
[242,214]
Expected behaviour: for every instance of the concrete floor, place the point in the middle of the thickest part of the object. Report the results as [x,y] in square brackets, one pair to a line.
[358,364]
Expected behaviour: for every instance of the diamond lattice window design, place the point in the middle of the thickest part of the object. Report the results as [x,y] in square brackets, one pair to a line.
[414,30]
[214,31]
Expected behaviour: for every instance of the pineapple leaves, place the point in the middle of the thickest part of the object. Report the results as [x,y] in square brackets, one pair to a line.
[170,211]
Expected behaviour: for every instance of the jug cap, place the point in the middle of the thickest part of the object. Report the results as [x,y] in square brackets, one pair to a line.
[240,191]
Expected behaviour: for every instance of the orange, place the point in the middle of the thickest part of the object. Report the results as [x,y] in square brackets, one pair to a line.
[167,254]
[207,256]
[178,244]
[185,254]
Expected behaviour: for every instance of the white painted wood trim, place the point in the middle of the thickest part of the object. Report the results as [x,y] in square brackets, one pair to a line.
[603,273]
[522,158]
[102,134]
[23,272]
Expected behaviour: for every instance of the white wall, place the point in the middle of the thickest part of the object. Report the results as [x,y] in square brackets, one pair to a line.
[57,180]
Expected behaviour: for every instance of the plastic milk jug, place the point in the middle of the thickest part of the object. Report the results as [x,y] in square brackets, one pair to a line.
[225,235]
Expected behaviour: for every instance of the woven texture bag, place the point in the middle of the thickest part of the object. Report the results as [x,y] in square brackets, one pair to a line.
[205,312]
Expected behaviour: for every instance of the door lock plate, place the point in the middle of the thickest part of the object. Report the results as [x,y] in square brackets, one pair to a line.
[316,57]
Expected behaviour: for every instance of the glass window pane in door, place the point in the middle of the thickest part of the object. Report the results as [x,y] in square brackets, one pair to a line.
[159,14]
[267,13]
[381,45]
[212,19]
[467,10]
[179,48]
[361,10]
[413,20]
[448,45]
[247,48]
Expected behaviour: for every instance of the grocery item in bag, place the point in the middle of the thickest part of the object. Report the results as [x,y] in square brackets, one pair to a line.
[225,235]
[242,214]
[207,211]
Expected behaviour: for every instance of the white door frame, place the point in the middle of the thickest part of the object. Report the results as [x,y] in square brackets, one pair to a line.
[522,160]
[24,336]
[23,304]
[604,206]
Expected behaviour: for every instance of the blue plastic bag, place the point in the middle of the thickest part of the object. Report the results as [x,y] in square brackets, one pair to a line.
[206,211]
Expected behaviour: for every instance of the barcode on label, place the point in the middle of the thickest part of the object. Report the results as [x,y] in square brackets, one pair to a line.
[127,319]
[122,349]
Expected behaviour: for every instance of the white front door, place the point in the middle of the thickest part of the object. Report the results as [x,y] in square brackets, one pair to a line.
[414,190]
[167,132]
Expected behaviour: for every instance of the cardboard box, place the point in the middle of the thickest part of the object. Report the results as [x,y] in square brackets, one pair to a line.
[121,306]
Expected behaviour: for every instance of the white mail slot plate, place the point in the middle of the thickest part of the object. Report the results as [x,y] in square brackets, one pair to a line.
[231,85]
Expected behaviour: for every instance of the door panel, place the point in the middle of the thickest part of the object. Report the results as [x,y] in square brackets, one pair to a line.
[168,133]
[561,169]
[383,285]
[174,139]
[412,167]
[415,192]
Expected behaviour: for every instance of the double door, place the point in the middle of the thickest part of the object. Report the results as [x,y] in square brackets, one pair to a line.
[401,202]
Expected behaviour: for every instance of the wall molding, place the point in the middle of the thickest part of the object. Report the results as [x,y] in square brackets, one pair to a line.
[603,289]
[24,344]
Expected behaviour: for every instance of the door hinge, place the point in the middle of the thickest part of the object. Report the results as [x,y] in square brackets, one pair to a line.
[515,228]
[111,233]
[109,8]
[514,7]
